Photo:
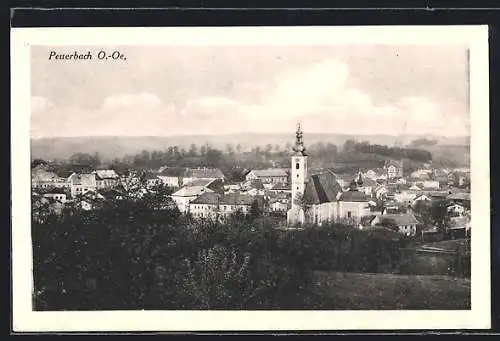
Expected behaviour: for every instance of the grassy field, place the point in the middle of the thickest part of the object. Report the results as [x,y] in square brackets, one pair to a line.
[355,291]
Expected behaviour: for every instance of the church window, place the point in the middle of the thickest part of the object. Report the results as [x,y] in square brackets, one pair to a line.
[297,166]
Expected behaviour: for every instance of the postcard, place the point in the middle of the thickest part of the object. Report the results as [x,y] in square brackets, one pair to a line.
[250,178]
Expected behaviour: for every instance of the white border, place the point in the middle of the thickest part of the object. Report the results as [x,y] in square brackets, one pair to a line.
[24,319]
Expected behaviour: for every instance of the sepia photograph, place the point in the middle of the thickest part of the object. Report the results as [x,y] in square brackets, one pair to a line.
[213,173]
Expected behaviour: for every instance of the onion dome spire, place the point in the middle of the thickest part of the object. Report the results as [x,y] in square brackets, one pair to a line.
[299,147]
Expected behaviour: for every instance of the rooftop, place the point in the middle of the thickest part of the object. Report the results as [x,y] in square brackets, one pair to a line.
[459,196]
[321,188]
[204,173]
[270,172]
[400,219]
[191,191]
[172,171]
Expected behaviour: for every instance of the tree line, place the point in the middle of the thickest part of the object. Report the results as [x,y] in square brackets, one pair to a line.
[414,154]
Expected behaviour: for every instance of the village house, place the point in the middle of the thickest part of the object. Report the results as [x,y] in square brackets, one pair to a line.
[419,198]
[462,198]
[394,169]
[421,174]
[428,185]
[187,194]
[172,176]
[152,180]
[278,206]
[456,210]
[82,183]
[192,174]
[370,174]
[56,194]
[268,176]
[405,224]
[44,177]
[380,191]
[365,185]
[281,188]
[405,197]
[220,206]
[106,178]
[91,200]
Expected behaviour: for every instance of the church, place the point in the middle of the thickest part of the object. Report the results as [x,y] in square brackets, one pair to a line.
[318,198]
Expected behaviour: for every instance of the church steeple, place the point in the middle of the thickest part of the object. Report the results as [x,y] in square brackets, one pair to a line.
[299,148]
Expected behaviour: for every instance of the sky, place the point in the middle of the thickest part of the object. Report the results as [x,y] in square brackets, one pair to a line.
[182,90]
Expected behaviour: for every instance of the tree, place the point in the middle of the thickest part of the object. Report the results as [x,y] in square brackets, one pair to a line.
[439,214]
[255,209]
[193,150]
[203,150]
[229,149]
[37,162]
[238,148]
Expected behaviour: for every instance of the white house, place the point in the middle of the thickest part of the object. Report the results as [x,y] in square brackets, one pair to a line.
[56,196]
[456,210]
[82,183]
[279,206]
[172,176]
[405,197]
[420,197]
[394,169]
[106,178]
[218,206]
[404,223]
[186,194]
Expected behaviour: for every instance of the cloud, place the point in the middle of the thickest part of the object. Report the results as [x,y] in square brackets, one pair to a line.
[131,100]
[319,95]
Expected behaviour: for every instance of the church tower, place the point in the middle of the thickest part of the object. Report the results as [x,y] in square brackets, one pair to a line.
[298,179]
[299,166]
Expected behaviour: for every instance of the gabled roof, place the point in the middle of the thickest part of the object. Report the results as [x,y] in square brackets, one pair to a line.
[106,174]
[80,179]
[204,173]
[459,196]
[237,199]
[321,188]
[200,182]
[208,198]
[172,171]
[270,172]
[256,183]
[191,191]
[400,219]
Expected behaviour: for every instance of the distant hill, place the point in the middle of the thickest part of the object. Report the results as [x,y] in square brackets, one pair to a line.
[110,147]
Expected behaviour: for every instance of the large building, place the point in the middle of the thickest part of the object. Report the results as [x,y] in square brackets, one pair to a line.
[268,176]
[318,198]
